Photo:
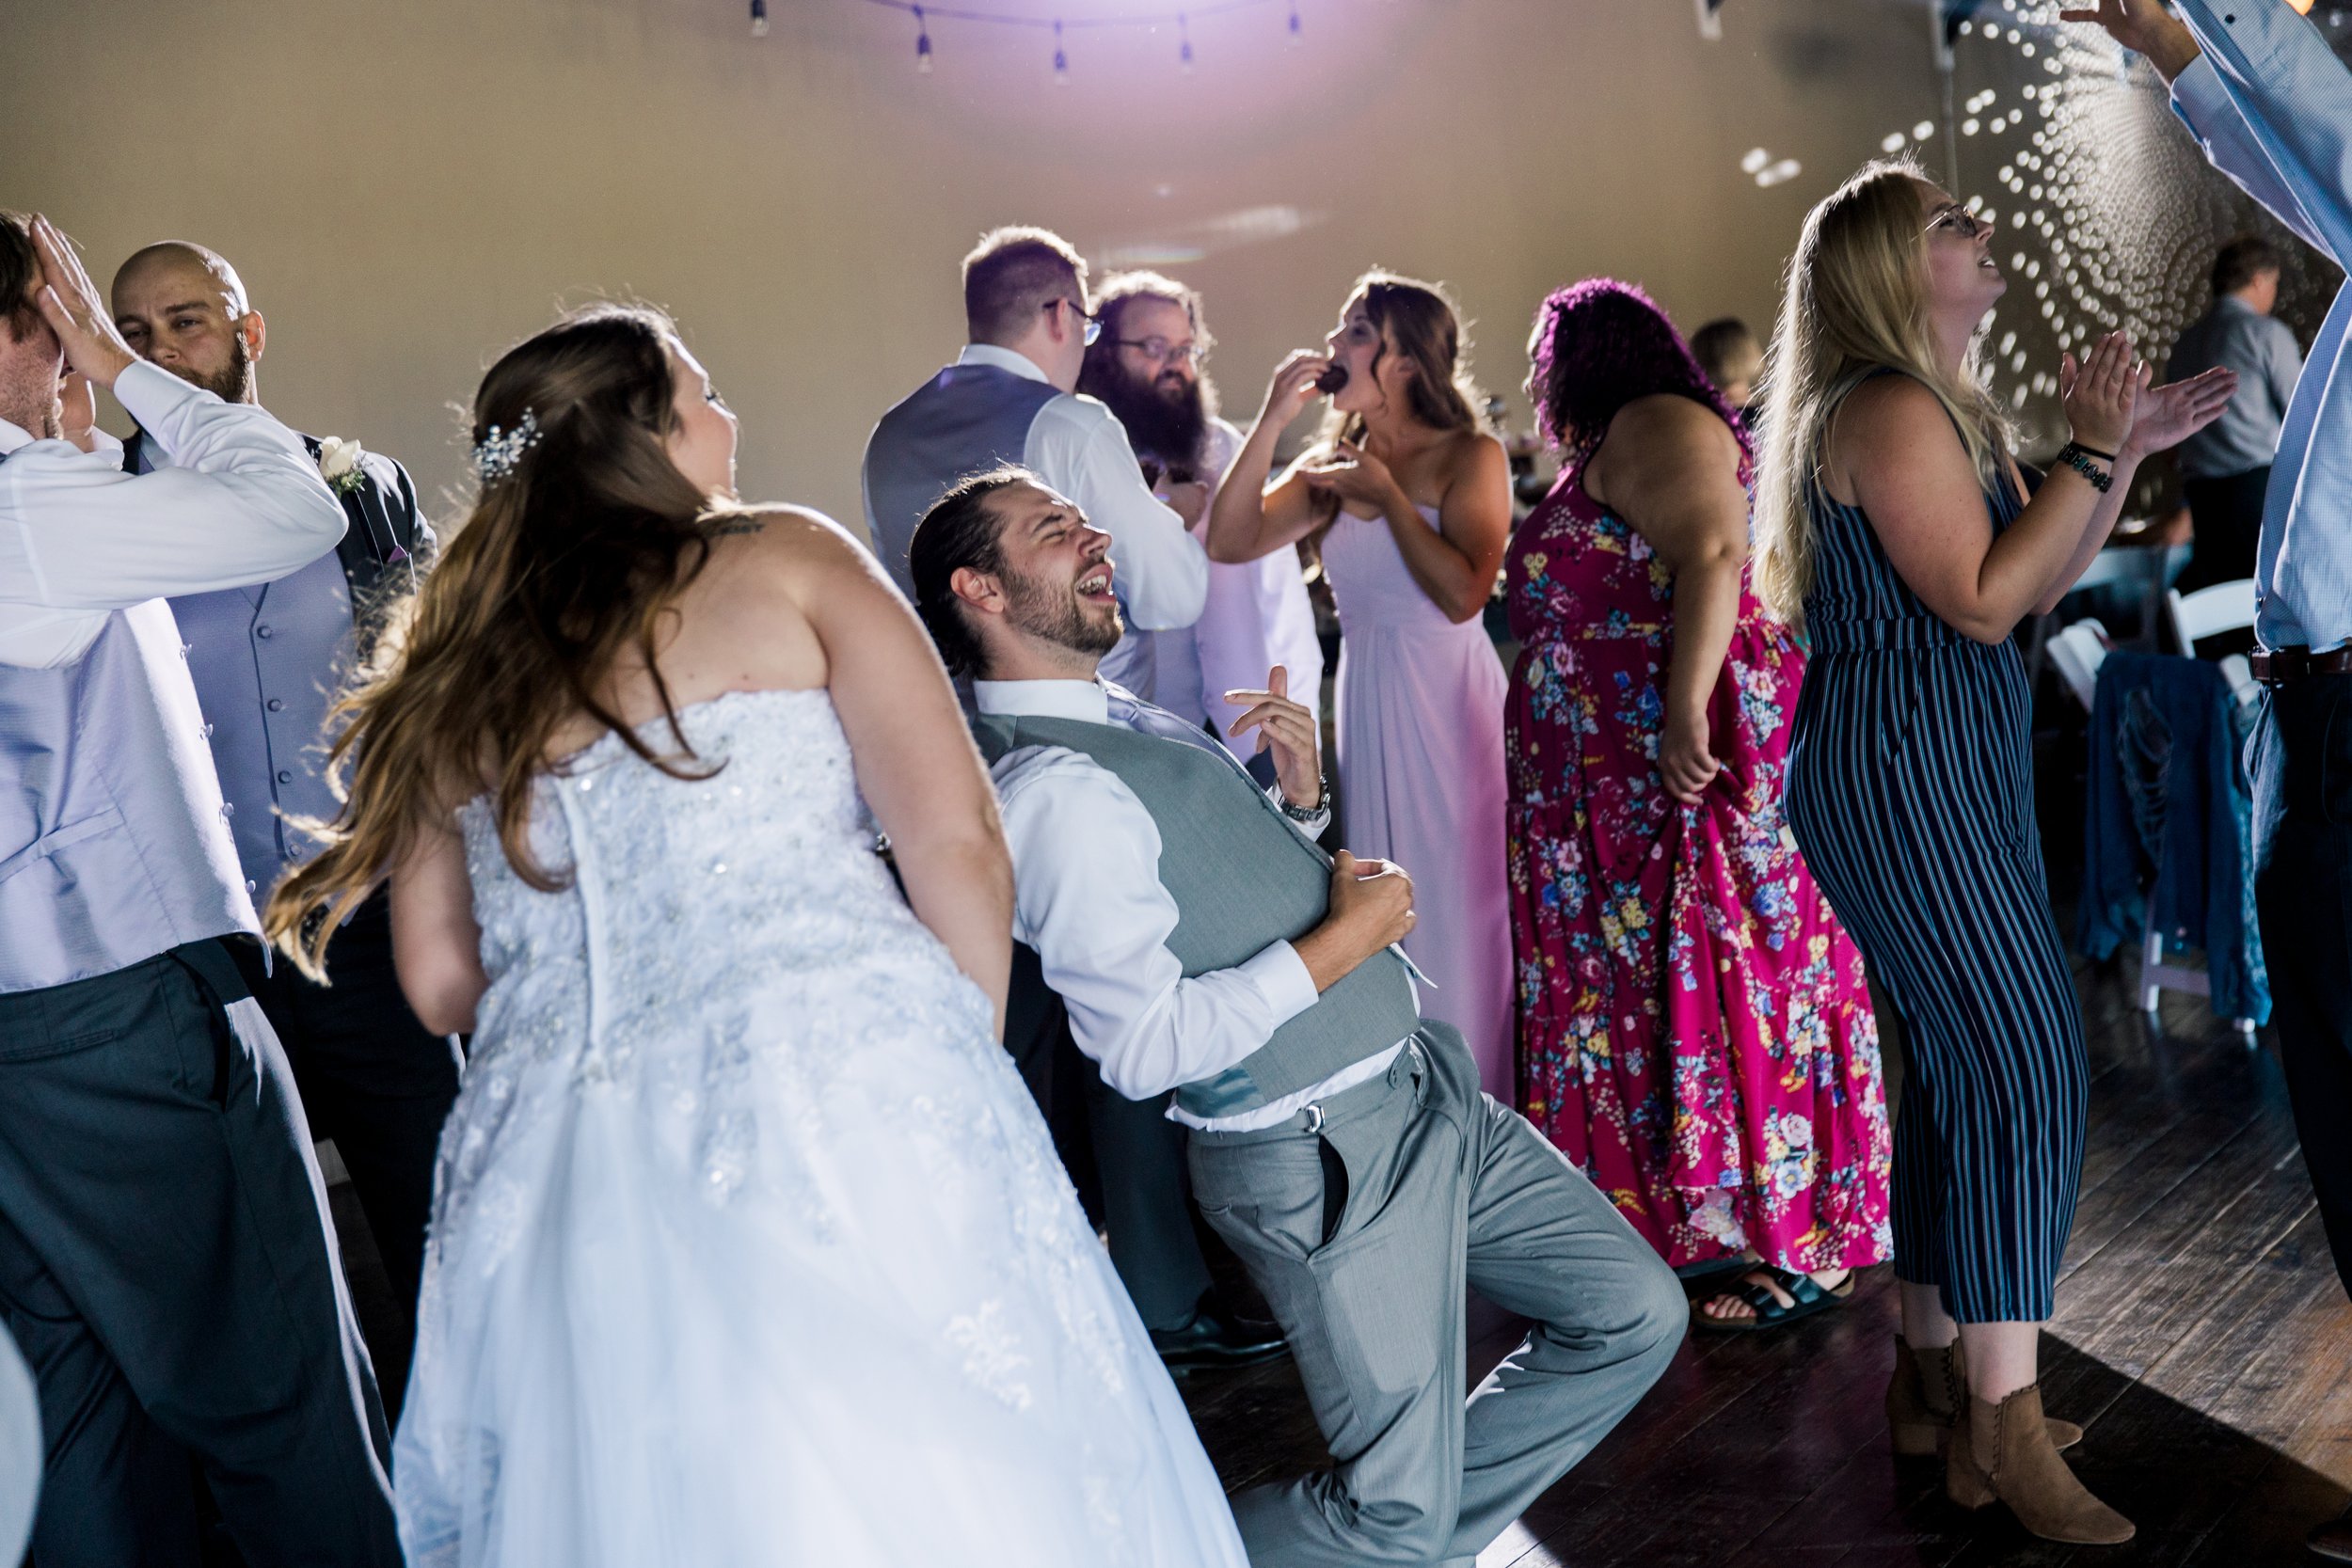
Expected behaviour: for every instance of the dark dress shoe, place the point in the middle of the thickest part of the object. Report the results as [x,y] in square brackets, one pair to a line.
[1214,1340]
[2333,1539]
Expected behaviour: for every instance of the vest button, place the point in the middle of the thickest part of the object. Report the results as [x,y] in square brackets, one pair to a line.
[284,777]
[262,632]
[208,732]
[275,705]
[227,810]
[249,884]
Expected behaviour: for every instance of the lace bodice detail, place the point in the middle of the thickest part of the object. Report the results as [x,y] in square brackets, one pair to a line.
[676,885]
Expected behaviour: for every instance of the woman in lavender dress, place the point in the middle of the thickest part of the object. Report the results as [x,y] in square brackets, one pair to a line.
[1410,500]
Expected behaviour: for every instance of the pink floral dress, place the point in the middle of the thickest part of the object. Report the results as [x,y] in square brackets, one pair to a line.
[1693,1026]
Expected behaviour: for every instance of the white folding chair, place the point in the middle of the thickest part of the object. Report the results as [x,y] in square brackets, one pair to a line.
[2076,654]
[2210,612]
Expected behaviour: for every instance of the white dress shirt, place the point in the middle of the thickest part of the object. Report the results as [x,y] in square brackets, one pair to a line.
[1088,898]
[1257,615]
[2273,107]
[80,539]
[1161,573]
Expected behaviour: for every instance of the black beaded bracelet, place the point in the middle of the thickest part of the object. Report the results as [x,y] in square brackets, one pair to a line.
[2077,457]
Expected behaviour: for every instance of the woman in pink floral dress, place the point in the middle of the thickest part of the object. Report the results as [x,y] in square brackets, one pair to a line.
[1694,1025]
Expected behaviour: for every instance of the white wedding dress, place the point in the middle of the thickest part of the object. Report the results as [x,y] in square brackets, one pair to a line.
[748,1247]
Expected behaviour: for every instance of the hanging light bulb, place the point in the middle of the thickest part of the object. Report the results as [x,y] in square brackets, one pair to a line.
[922,44]
[1061,61]
[1298,34]
[1184,51]
[759,19]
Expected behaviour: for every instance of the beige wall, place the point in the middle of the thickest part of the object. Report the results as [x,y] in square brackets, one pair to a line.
[409,185]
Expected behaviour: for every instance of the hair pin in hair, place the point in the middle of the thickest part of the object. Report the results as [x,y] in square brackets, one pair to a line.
[496,454]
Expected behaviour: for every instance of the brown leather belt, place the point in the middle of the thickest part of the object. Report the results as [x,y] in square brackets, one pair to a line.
[2278,666]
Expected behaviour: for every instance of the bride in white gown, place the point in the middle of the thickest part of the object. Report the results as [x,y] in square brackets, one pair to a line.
[748,1244]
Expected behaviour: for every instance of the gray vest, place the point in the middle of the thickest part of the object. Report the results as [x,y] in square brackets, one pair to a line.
[1243,879]
[114,843]
[962,421]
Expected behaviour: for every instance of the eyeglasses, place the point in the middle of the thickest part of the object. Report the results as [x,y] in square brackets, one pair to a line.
[1161,352]
[1093,325]
[1960,221]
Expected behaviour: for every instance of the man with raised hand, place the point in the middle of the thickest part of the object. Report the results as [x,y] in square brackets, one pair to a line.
[2272,105]
[167,1261]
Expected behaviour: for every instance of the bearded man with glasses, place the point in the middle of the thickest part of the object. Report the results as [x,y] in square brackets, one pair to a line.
[1147,367]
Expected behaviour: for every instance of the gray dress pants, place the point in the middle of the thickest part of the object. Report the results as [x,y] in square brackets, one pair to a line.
[1361,1221]
[168,1270]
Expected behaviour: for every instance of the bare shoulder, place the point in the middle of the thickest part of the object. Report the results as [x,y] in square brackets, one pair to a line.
[791,546]
[1890,407]
[1670,422]
[1473,457]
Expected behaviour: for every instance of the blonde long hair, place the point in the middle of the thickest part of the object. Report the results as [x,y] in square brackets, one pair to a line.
[570,560]
[1856,300]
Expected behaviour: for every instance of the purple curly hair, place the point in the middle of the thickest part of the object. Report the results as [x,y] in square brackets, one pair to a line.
[1598,345]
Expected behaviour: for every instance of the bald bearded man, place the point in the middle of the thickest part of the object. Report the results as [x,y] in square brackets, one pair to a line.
[267,661]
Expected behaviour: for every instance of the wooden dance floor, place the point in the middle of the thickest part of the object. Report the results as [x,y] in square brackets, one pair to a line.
[2201,1338]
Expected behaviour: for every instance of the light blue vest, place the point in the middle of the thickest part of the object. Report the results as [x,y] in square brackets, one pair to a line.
[266,661]
[114,840]
[964,421]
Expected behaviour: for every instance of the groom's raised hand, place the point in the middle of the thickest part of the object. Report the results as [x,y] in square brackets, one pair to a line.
[1289,730]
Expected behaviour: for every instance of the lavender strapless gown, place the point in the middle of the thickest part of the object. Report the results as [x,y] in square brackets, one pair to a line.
[1420,721]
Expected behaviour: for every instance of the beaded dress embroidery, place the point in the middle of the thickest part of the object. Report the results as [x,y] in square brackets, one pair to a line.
[749,1245]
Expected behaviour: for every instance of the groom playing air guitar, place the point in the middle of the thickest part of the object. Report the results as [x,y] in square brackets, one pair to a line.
[1205,948]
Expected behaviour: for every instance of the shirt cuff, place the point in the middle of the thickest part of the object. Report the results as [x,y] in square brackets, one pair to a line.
[1282,979]
[2198,95]
[149,393]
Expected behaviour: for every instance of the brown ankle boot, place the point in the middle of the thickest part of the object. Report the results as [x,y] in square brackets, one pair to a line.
[1923,1401]
[2063,1435]
[2002,1454]
[1918,1401]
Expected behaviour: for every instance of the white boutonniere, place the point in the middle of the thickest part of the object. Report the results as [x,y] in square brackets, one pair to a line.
[338,465]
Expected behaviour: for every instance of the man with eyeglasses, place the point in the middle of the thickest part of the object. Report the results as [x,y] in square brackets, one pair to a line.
[1146,366]
[1011,397]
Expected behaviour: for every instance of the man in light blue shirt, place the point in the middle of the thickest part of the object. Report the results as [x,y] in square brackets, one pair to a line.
[2272,105]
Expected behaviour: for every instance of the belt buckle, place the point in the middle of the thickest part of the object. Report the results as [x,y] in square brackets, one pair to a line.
[1315,1118]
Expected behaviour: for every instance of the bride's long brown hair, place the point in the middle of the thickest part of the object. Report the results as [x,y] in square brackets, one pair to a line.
[571,558]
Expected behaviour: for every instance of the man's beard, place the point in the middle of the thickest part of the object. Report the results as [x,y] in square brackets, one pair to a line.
[1166,419]
[1051,613]
[233,381]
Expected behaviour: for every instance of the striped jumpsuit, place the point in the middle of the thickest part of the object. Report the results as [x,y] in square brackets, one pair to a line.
[1911,794]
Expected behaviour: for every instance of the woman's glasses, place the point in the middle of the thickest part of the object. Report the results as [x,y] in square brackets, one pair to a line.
[1960,221]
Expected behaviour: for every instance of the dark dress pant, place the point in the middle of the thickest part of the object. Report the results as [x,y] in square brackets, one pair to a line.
[2301,760]
[1125,1157]
[167,1268]
[2227,514]
[373,1080]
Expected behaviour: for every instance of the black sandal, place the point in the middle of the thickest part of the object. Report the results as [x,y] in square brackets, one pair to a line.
[1809,1297]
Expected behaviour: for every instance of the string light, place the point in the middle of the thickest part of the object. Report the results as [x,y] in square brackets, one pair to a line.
[922,42]
[1184,53]
[1298,34]
[1061,61]
[1293,25]
[759,19]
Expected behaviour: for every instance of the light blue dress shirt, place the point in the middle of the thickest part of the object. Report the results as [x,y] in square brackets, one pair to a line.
[2273,107]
